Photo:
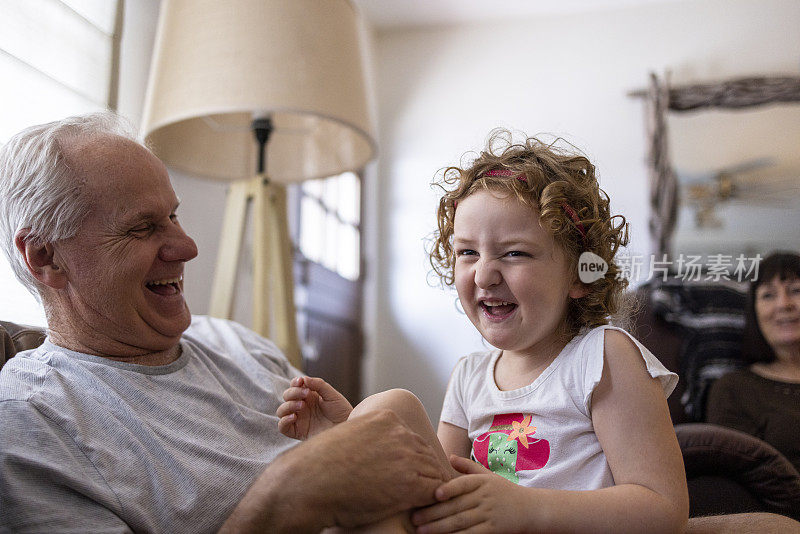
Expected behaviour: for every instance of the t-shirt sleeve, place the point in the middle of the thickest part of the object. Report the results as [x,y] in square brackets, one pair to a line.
[47,484]
[453,408]
[594,354]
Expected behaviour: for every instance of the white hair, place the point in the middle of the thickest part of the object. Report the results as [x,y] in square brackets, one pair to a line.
[39,192]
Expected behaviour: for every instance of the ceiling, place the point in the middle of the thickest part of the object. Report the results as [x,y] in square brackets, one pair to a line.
[387,14]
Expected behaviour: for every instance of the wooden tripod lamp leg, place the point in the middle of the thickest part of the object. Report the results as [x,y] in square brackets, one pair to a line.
[273,281]
[224,283]
[281,270]
[262,301]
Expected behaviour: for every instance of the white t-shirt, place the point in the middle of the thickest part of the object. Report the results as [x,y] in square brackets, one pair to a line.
[540,435]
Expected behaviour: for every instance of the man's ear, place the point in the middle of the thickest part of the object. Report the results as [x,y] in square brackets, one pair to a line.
[39,258]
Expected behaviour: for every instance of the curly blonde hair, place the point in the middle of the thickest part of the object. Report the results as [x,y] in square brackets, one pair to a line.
[547,178]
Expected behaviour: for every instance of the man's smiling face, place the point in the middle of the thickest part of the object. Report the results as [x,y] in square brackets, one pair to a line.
[124,267]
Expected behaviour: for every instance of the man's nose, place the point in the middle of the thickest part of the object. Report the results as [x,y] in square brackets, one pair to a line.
[178,246]
[486,273]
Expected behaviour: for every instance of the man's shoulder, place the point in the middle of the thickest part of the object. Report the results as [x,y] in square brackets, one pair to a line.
[223,334]
[233,341]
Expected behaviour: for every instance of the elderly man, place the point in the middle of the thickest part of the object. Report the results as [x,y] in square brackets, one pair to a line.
[134,416]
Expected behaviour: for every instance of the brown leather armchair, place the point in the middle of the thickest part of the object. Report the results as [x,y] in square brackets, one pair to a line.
[15,338]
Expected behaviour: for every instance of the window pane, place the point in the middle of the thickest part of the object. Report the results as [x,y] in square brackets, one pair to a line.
[331,258]
[311,225]
[53,39]
[329,225]
[313,187]
[100,13]
[330,193]
[349,198]
[349,253]
[36,98]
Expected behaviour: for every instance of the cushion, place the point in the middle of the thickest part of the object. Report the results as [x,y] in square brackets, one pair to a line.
[17,337]
[712,450]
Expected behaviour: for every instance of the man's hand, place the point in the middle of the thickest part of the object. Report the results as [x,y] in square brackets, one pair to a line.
[358,472]
[479,501]
[312,405]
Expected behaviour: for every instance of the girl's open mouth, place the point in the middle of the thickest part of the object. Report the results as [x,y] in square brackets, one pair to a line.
[497,308]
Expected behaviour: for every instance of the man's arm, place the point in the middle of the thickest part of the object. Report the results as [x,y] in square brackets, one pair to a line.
[358,472]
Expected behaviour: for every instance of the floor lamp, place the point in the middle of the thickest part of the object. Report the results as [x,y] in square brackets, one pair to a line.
[259,93]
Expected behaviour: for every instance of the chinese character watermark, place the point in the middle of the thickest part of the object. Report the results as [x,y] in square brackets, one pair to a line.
[685,267]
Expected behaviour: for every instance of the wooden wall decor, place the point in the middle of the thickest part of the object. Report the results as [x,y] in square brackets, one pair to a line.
[737,93]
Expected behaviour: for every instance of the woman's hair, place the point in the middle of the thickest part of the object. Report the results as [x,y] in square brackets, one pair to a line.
[558,182]
[38,190]
[784,266]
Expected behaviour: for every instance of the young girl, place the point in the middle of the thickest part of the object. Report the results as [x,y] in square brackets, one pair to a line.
[565,403]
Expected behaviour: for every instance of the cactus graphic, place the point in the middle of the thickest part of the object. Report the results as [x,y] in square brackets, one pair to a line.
[502,457]
[510,446]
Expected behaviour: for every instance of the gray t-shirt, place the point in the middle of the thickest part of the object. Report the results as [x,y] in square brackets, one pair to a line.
[93,445]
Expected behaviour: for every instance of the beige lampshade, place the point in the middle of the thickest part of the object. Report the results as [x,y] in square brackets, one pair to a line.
[218,64]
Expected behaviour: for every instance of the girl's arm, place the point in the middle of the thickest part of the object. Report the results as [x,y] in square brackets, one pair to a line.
[632,422]
[454,440]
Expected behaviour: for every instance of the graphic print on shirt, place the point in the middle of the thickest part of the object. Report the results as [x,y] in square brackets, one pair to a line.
[506,448]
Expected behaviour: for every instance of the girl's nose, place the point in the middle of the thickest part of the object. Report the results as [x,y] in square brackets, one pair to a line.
[486,274]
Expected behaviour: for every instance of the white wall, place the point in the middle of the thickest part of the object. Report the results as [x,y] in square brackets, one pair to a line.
[440,91]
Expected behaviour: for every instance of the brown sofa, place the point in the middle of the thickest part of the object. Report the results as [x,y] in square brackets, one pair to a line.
[16,337]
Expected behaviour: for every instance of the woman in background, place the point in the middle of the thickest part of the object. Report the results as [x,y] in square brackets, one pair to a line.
[764,399]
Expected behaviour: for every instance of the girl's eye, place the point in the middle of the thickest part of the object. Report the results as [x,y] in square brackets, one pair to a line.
[517,254]
[466,252]
[765,295]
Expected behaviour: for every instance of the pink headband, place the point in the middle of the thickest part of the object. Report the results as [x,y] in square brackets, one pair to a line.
[566,207]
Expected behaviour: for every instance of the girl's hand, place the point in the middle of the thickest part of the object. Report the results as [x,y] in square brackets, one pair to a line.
[479,501]
[312,405]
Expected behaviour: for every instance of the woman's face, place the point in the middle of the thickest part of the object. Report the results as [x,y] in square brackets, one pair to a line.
[777,306]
